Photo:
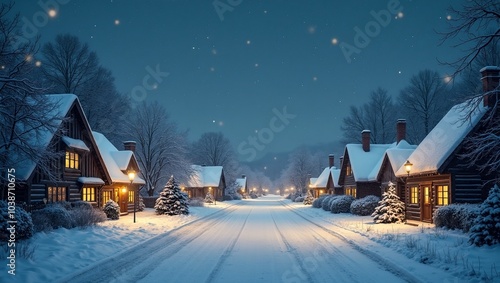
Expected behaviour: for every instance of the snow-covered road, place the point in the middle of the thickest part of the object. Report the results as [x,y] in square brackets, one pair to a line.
[262,240]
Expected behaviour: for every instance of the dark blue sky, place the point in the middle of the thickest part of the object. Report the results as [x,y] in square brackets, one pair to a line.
[228,69]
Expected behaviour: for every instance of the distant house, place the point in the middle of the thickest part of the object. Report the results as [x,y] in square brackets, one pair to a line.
[118,163]
[439,176]
[206,179]
[242,183]
[327,181]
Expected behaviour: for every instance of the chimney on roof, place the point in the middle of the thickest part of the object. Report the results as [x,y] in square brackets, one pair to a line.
[400,130]
[365,138]
[341,161]
[490,76]
[331,160]
[129,145]
[243,176]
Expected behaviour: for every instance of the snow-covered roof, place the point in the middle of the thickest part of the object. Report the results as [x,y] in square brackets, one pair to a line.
[312,182]
[322,180]
[446,136]
[366,165]
[204,176]
[91,181]
[335,175]
[75,143]
[115,161]
[62,104]
[398,155]
[242,182]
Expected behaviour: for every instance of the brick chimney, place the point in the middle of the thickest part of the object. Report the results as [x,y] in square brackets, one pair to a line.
[365,138]
[400,130]
[129,145]
[243,176]
[331,159]
[341,160]
[490,76]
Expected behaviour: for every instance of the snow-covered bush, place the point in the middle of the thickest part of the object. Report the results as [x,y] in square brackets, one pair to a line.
[209,198]
[308,200]
[83,216]
[486,229]
[317,203]
[197,202]
[341,204]
[390,209]
[171,200]
[24,225]
[253,195]
[141,206]
[364,206]
[326,204]
[112,210]
[237,196]
[299,199]
[53,216]
[79,205]
[456,216]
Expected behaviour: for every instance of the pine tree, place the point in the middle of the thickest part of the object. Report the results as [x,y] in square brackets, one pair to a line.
[112,209]
[486,229]
[209,198]
[171,200]
[390,209]
[309,198]
[141,206]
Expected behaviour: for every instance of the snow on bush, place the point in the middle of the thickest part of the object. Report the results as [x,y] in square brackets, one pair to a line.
[172,201]
[390,208]
[364,206]
[53,216]
[24,225]
[299,199]
[141,206]
[486,229]
[237,196]
[209,198]
[456,216]
[197,202]
[112,210]
[318,203]
[308,200]
[327,202]
[341,204]
[228,197]
[82,216]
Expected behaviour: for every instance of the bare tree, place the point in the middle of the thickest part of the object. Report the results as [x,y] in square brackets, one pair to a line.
[474,27]
[378,115]
[213,149]
[26,116]
[71,67]
[424,101]
[300,166]
[161,148]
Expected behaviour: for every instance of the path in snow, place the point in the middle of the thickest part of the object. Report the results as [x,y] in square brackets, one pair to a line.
[254,241]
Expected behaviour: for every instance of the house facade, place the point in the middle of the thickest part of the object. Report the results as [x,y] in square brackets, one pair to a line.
[204,180]
[327,181]
[242,183]
[439,176]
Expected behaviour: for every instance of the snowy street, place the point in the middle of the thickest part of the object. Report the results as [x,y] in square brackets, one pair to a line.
[261,240]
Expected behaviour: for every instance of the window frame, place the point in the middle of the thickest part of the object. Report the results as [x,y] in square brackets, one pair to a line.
[72,160]
[92,194]
[440,199]
[414,194]
[59,193]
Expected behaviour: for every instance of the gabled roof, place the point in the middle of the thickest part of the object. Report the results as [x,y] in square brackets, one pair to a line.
[116,161]
[365,164]
[205,176]
[242,182]
[322,180]
[312,182]
[396,156]
[444,139]
[63,103]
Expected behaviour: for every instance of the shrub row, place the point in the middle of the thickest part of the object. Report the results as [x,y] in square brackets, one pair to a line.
[456,216]
[346,204]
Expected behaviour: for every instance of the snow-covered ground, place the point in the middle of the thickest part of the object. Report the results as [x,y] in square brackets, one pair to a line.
[262,240]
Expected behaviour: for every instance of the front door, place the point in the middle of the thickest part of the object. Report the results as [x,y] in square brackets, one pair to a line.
[123,201]
[426,204]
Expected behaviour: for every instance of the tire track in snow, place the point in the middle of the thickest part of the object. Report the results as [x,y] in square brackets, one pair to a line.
[378,259]
[227,252]
[156,248]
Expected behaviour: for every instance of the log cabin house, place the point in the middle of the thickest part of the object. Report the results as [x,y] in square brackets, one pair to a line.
[204,180]
[439,176]
[327,181]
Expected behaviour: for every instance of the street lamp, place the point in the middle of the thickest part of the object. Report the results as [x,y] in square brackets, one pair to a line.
[408,166]
[131,177]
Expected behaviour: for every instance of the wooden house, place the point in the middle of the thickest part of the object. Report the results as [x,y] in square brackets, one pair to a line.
[242,183]
[327,181]
[204,180]
[118,164]
[439,176]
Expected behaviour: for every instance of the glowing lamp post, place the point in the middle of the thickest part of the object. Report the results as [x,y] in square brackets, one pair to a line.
[131,177]
[408,166]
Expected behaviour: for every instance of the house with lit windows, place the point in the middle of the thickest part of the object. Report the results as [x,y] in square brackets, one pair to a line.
[327,181]
[78,171]
[204,180]
[439,175]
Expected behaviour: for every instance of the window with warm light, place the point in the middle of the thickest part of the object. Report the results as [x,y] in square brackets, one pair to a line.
[72,160]
[55,194]
[351,191]
[442,195]
[348,170]
[106,195]
[88,194]
[414,194]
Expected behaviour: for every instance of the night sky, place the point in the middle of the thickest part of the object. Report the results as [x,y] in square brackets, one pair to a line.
[227,69]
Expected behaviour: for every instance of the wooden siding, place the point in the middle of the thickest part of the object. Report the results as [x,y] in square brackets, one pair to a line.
[467,188]
[364,189]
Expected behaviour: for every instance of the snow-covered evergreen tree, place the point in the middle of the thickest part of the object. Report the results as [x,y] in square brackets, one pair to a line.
[171,200]
[309,198]
[390,209]
[141,206]
[112,209]
[209,198]
[486,229]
